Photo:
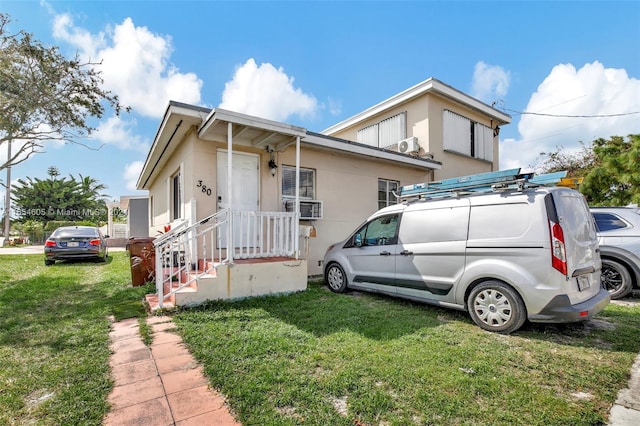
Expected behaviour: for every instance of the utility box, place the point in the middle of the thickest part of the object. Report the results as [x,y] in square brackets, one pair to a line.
[142,256]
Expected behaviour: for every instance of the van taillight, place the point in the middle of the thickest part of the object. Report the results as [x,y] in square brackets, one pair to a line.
[558,253]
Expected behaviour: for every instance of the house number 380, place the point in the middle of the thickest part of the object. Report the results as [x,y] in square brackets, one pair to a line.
[204,188]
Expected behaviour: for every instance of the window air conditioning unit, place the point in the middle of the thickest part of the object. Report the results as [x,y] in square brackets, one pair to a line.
[408,145]
[309,209]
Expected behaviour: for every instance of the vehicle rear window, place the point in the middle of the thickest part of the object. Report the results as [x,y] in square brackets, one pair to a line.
[575,215]
[72,232]
[609,221]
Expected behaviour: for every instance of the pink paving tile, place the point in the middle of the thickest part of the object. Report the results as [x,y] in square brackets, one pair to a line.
[183,380]
[193,402]
[119,332]
[158,319]
[130,372]
[175,363]
[168,349]
[123,357]
[165,337]
[219,417]
[135,393]
[164,326]
[155,412]
[126,345]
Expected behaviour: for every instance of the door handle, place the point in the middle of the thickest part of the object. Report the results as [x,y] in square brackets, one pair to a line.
[385,253]
[406,253]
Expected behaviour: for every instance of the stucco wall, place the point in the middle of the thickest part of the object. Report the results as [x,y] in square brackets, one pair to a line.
[346,184]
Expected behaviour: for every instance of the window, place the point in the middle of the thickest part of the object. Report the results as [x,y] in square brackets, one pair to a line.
[463,136]
[307,183]
[608,222]
[386,132]
[386,188]
[176,197]
[381,231]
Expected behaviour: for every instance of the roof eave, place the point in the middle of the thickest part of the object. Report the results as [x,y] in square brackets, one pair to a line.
[430,85]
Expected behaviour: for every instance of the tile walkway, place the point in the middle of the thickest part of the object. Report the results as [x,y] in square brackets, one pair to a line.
[161,384]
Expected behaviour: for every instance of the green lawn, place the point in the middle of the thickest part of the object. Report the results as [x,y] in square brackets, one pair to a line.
[309,358]
[54,337]
[320,358]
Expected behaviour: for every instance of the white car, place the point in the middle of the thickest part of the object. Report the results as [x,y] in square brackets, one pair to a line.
[619,240]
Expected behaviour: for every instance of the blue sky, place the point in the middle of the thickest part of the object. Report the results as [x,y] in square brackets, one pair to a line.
[314,64]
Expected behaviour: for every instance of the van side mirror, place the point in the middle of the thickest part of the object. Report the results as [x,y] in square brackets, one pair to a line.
[357,240]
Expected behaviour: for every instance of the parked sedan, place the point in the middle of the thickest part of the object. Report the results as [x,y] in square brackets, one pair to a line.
[619,239]
[75,242]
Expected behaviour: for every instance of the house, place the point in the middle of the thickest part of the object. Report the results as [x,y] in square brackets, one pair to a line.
[224,186]
[137,225]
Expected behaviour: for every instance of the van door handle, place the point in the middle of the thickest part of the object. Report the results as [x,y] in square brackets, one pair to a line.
[385,253]
[406,253]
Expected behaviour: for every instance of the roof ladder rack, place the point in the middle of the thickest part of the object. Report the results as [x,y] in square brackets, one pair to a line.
[482,182]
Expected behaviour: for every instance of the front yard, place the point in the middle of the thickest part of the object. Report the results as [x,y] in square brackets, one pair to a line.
[308,358]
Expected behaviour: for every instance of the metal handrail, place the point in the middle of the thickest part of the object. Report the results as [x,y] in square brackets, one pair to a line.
[188,253]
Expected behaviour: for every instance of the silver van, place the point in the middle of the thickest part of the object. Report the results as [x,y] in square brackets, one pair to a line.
[504,256]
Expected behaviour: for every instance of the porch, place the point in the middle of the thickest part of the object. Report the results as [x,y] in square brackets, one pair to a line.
[228,255]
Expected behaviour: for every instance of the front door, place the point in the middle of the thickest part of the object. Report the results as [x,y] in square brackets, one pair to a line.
[245,181]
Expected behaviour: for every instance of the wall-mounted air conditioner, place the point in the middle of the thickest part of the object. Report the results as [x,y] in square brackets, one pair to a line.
[408,145]
[309,209]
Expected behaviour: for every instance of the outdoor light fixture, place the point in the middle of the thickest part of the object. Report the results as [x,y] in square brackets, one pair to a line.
[272,165]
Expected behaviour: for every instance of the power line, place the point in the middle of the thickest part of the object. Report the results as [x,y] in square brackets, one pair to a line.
[572,116]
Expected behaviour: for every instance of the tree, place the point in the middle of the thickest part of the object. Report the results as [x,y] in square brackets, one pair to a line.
[61,199]
[614,178]
[576,164]
[610,168]
[45,96]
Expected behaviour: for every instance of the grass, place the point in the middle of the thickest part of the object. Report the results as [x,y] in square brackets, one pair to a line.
[313,358]
[319,358]
[54,337]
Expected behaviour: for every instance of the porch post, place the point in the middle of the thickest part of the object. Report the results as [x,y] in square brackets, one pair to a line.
[296,239]
[230,242]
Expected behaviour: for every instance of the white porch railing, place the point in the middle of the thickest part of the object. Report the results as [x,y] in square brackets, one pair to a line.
[187,253]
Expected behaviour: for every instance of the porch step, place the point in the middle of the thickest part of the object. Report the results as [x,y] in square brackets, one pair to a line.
[151,302]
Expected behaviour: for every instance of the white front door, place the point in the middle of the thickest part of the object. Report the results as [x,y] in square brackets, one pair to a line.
[245,180]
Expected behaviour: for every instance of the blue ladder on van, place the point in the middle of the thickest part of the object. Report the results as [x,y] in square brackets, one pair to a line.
[482,182]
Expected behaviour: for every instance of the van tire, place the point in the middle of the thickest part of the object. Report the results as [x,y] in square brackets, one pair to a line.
[335,278]
[616,279]
[494,306]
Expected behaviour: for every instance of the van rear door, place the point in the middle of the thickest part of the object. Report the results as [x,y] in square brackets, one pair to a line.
[580,242]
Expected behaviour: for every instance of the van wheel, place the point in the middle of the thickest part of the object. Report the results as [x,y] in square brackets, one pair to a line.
[336,278]
[495,306]
[616,279]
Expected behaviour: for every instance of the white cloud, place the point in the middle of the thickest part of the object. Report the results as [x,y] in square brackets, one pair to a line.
[131,173]
[266,92]
[592,90]
[119,132]
[490,82]
[135,65]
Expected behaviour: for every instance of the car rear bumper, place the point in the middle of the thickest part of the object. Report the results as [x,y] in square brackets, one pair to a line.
[81,253]
[560,309]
